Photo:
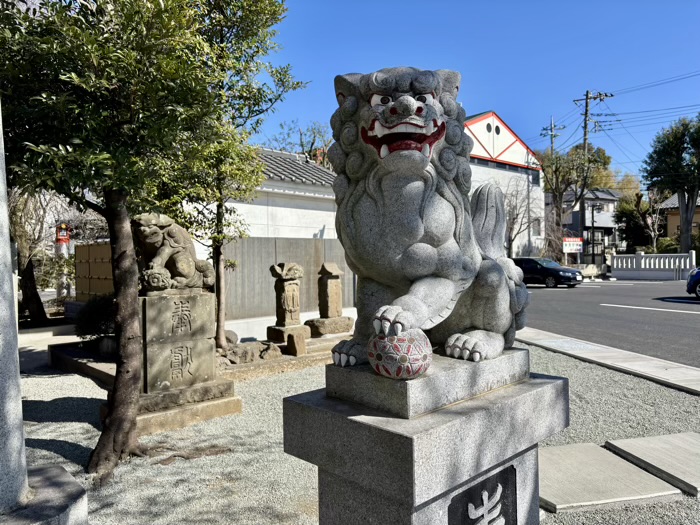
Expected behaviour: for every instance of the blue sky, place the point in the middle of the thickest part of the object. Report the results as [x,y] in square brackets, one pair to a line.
[526,60]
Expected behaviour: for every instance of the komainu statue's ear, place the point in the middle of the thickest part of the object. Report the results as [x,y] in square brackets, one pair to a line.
[347,86]
[450,81]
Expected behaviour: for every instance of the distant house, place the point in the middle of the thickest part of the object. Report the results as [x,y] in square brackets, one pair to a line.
[501,157]
[599,218]
[673,215]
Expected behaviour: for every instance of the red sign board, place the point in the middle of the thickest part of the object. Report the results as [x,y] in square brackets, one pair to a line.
[573,244]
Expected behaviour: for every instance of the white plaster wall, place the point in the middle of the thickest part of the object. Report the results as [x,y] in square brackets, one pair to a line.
[502,178]
[290,210]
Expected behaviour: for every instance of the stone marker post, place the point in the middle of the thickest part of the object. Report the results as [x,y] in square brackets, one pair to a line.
[42,494]
[330,291]
[330,303]
[287,303]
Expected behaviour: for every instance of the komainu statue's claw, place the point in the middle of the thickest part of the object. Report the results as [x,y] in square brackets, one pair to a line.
[474,345]
[350,353]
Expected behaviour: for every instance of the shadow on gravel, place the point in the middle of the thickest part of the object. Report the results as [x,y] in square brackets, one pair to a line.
[64,410]
[73,452]
[33,362]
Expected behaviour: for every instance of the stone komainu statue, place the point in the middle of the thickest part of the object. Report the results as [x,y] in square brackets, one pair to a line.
[426,256]
[168,255]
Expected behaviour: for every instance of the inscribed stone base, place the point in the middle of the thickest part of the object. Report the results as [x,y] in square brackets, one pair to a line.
[176,364]
[186,415]
[342,502]
[178,317]
[332,325]
[279,334]
[57,500]
[428,469]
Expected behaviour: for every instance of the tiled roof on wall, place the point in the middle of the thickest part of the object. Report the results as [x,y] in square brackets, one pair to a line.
[672,202]
[290,167]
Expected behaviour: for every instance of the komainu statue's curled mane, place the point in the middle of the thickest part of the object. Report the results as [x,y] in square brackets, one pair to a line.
[425,255]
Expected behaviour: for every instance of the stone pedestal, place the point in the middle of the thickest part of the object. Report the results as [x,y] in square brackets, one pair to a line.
[279,334]
[330,304]
[328,326]
[447,448]
[179,376]
[47,495]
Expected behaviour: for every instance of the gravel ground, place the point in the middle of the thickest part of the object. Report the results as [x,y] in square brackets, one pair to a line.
[233,470]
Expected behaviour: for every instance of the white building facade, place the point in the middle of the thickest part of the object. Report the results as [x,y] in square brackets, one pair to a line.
[499,156]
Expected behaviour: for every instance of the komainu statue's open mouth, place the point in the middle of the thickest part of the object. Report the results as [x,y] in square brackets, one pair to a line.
[405,136]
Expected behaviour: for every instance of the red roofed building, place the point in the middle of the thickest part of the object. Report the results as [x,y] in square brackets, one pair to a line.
[501,157]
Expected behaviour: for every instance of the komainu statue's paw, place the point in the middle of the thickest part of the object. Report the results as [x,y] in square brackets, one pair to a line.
[475,345]
[392,320]
[350,353]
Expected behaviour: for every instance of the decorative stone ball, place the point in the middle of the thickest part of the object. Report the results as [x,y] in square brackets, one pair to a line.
[404,356]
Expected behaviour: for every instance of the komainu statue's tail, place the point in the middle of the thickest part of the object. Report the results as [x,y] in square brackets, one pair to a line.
[489,224]
[489,220]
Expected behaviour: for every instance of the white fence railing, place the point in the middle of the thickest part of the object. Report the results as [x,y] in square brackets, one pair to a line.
[664,266]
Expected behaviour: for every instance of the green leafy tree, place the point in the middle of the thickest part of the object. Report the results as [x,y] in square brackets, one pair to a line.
[240,35]
[101,97]
[674,165]
[629,223]
[628,185]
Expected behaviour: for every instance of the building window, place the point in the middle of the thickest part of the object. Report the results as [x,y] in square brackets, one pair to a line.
[536,228]
[535,178]
[488,128]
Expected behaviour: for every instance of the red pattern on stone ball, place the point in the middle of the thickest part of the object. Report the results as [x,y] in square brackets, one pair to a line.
[400,357]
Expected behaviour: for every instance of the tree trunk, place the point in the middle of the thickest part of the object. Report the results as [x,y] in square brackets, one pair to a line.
[686,219]
[31,300]
[220,287]
[118,438]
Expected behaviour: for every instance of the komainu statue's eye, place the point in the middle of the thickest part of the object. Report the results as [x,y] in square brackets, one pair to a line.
[426,98]
[379,100]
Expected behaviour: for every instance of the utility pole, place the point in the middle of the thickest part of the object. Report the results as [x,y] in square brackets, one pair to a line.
[586,168]
[551,132]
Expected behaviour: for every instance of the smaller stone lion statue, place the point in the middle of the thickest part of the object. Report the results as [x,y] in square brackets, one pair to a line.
[168,254]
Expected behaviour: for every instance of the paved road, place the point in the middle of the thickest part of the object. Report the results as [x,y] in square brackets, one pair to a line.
[664,323]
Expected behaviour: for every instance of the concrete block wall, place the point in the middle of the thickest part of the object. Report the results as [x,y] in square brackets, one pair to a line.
[93,271]
[250,288]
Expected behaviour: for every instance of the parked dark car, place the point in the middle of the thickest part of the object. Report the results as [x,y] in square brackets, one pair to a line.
[693,282]
[548,272]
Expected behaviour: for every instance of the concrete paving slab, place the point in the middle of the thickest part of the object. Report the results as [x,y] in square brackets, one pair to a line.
[584,476]
[674,458]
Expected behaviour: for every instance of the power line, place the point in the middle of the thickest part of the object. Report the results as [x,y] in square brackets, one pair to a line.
[644,111]
[623,126]
[656,83]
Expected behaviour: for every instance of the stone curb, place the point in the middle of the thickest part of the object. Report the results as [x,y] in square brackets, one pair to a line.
[667,373]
